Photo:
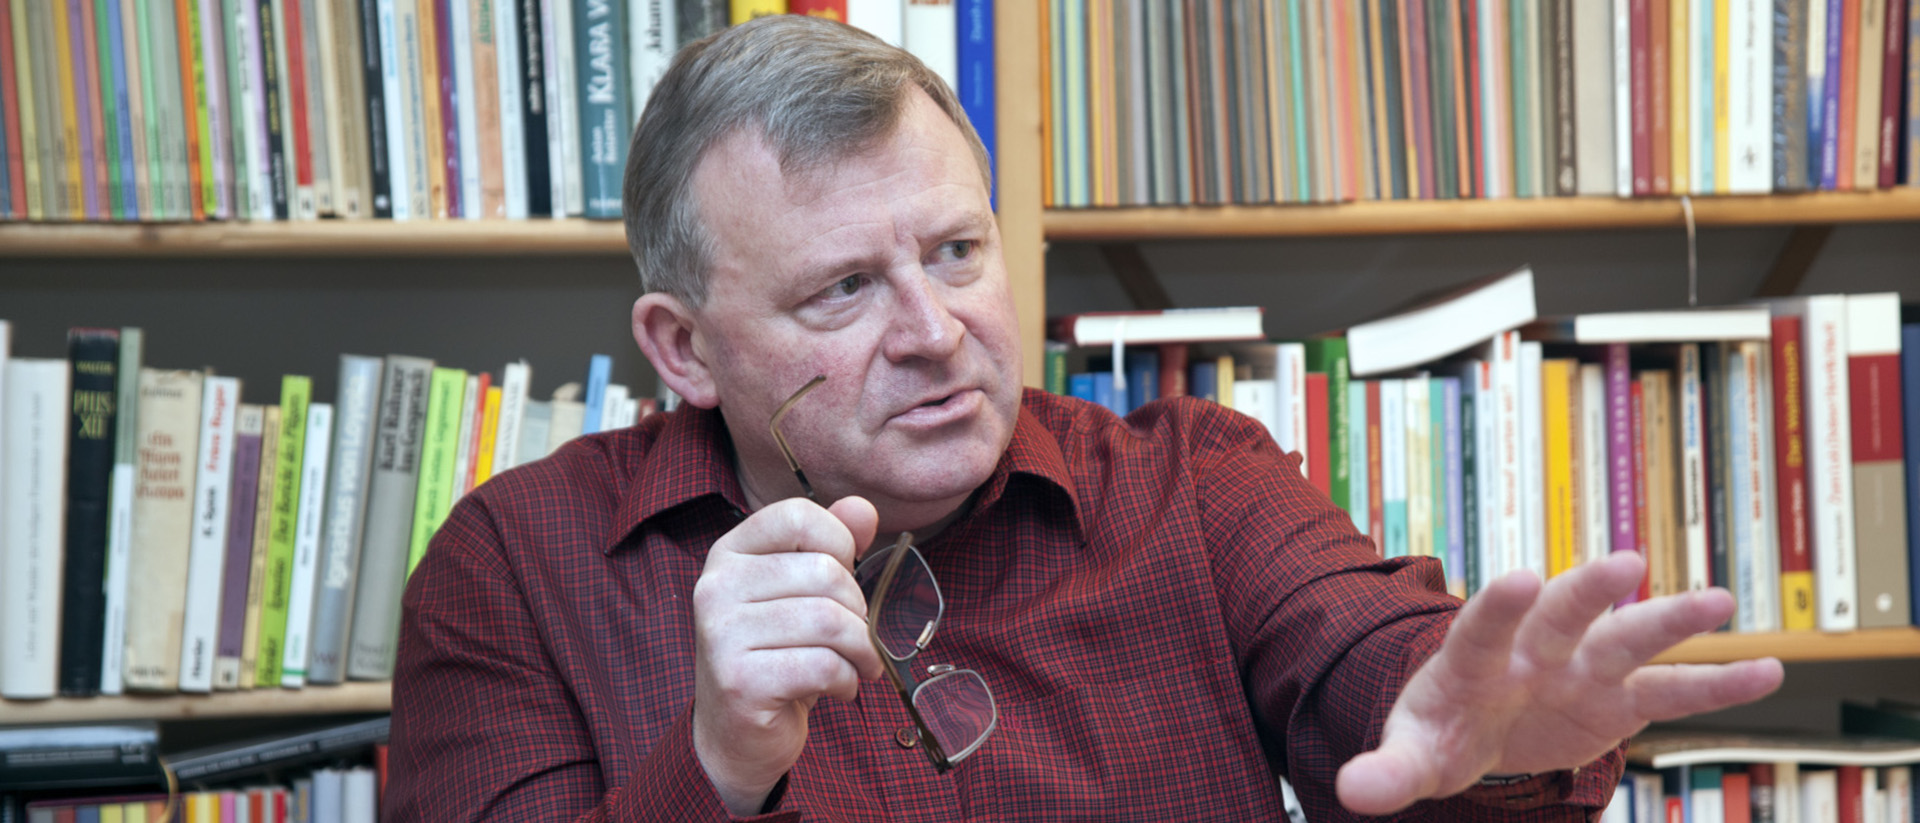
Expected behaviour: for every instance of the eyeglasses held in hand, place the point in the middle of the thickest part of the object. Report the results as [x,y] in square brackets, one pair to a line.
[953,709]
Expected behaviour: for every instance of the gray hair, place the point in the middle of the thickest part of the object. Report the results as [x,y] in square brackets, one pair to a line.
[816,90]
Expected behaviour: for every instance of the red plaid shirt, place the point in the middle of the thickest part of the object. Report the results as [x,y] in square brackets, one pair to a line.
[1168,616]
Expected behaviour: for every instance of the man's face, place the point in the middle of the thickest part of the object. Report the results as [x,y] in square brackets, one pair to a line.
[883,272]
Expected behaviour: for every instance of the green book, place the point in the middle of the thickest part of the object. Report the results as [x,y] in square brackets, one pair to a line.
[1056,373]
[1328,356]
[433,497]
[295,392]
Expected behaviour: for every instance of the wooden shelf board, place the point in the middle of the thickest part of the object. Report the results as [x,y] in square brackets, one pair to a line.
[1470,216]
[347,698]
[326,238]
[1797,647]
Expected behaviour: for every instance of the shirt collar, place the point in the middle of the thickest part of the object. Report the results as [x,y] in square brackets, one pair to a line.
[692,458]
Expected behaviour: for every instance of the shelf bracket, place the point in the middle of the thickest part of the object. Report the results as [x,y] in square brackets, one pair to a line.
[1136,277]
[1795,260]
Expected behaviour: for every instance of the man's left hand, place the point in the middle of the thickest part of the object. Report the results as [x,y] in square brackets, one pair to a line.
[1536,679]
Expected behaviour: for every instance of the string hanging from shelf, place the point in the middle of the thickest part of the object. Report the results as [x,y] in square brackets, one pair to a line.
[1693,253]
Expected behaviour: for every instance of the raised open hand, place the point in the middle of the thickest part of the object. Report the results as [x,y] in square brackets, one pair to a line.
[1534,679]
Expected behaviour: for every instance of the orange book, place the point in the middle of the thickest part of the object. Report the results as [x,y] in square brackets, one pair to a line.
[104,194]
[1050,91]
[193,105]
[1557,378]
[1345,141]
[1410,92]
[1463,110]
[1099,100]
[1849,89]
[486,116]
[1660,81]
[431,124]
[69,127]
[1376,93]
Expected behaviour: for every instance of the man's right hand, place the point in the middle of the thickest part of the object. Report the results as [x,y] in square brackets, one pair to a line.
[778,622]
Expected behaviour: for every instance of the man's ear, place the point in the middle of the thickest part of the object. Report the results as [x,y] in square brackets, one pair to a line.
[666,330]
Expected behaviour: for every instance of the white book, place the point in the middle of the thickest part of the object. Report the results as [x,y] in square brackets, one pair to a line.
[33,496]
[563,109]
[1899,783]
[1418,434]
[1509,485]
[1594,510]
[1357,488]
[463,449]
[1495,149]
[613,407]
[568,417]
[1622,100]
[415,97]
[460,29]
[1393,466]
[933,35]
[513,151]
[1486,430]
[1693,469]
[213,87]
[1533,470]
[1870,792]
[1701,127]
[884,19]
[329,789]
[1762,517]
[169,443]
[629,412]
[346,509]
[1620,808]
[1594,155]
[652,40]
[1829,433]
[207,552]
[252,94]
[306,545]
[1750,97]
[1820,796]
[399,171]
[1291,402]
[119,504]
[1255,399]
[513,409]
[1816,73]
[321,125]
[359,797]
[536,424]
[1706,804]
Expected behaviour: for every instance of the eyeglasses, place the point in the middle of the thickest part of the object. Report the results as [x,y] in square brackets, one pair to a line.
[953,710]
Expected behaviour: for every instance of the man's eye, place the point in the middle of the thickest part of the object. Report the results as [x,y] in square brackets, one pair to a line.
[847,286]
[959,249]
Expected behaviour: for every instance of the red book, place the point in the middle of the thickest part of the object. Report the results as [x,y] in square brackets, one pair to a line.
[1790,475]
[189,93]
[1849,90]
[1173,370]
[1659,65]
[1736,796]
[1640,482]
[1893,73]
[297,82]
[1473,178]
[1639,66]
[1376,513]
[479,403]
[1676,812]
[830,9]
[1421,126]
[1762,791]
[10,116]
[1319,463]
[379,773]
[1878,451]
[1851,809]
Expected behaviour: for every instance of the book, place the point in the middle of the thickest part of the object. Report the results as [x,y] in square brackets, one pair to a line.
[1910,423]
[1692,467]
[80,756]
[433,498]
[1664,749]
[120,507]
[1594,512]
[346,506]
[249,424]
[470,396]
[513,153]
[1829,472]
[1442,325]
[930,29]
[1558,386]
[563,83]
[34,438]
[399,436]
[1328,356]
[1797,609]
[652,29]
[296,650]
[1593,99]
[1417,437]
[534,116]
[169,443]
[513,404]
[488,159]
[1621,482]
[268,474]
[1165,326]
[485,438]
[459,95]
[1675,326]
[1877,449]
[1394,540]
[235,760]
[93,358]
[289,471]
[976,85]
[1756,552]
[207,550]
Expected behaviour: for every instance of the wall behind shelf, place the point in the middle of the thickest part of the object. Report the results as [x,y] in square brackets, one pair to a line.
[260,318]
[1314,285]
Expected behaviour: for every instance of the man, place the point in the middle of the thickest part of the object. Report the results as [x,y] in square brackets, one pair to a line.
[658,623]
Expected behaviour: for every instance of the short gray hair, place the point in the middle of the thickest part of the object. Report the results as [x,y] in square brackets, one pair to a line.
[816,90]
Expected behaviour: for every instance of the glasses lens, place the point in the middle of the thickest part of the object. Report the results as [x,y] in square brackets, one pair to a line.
[958,708]
[905,622]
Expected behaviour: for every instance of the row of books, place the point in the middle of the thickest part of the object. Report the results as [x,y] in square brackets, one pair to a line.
[1865,773]
[1757,448]
[1294,101]
[160,533]
[403,109]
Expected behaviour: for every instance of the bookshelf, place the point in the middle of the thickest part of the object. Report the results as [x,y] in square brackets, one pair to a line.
[348,698]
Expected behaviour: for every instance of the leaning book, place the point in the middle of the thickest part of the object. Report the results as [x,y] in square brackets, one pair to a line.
[1661,749]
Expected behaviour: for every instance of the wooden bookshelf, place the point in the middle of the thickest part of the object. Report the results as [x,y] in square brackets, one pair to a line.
[325,238]
[349,698]
[1797,647]
[1380,217]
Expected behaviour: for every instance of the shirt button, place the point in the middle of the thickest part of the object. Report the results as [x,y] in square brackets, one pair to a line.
[908,737]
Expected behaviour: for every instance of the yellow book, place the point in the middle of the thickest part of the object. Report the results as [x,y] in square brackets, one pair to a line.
[131,813]
[489,431]
[430,116]
[1556,438]
[1865,151]
[202,807]
[744,10]
[29,126]
[1679,94]
[1099,104]
[1418,435]
[1666,561]
[69,127]
[113,813]
[1223,379]
[1722,149]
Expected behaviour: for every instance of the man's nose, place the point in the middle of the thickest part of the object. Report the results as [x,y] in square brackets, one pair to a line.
[924,325]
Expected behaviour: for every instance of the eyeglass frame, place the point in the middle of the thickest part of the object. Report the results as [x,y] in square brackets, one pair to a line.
[897,671]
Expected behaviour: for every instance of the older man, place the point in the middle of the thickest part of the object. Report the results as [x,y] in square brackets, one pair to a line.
[1155,615]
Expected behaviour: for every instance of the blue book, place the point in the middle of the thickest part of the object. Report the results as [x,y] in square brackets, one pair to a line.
[599,371]
[1910,418]
[1740,491]
[976,89]
[123,115]
[1703,100]
[1081,386]
[1203,380]
[1448,511]
[1830,102]
[1470,486]
[605,92]
[1143,378]
[1357,492]
[1104,394]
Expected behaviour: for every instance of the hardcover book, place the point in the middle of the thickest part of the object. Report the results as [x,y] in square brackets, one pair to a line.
[249,424]
[34,437]
[289,467]
[169,443]
[1877,450]
[306,545]
[93,356]
[270,426]
[1797,608]
[120,509]
[399,435]
[346,506]
[207,550]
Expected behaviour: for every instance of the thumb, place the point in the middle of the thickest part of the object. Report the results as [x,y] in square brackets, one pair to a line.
[860,518]
[1387,779]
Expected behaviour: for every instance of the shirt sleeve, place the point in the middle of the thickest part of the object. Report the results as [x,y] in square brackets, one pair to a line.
[1327,633]
[483,726]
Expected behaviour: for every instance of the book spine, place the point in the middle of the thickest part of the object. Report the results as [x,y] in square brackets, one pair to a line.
[1623,98]
[193,107]
[513,404]
[563,107]
[1700,68]
[27,183]
[1724,92]
[599,369]
[430,114]
[1595,509]
[1910,427]
[492,193]
[13,194]
[1318,470]
[1642,97]
[273,86]
[93,356]
[471,395]
[1679,95]
[35,438]
[249,103]
[460,25]
[249,424]
[89,79]
[1376,471]
[1659,86]
[487,435]
[1878,446]
[444,97]
[1508,486]
[169,443]
[400,424]
[1532,462]
[1829,470]
[76,185]
[513,154]
[1637,392]
[1556,377]
[208,547]
[1665,553]
[1693,469]
[289,466]
[433,498]
[1913,97]
[976,88]
[1471,490]
[270,426]
[296,650]
[1894,66]
[1762,566]
[1836,113]
[1417,414]
[410,38]
[1357,500]
[234,83]
[1450,485]
[1719,448]
[534,110]
[1798,612]
[107,58]
[139,84]
[1816,91]
[325,115]
[1789,97]
[217,144]
[1620,477]
[373,72]
[1863,154]
[1740,491]
[346,505]
[601,53]
[1393,467]
[347,137]
[1749,109]
[120,511]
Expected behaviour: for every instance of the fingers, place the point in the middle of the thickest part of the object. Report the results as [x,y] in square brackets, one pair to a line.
[1572,601]
[768,577]
[1480,641]
[791,525]
[1625,640]
[1386,780]
[860,518]
[1669,692]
